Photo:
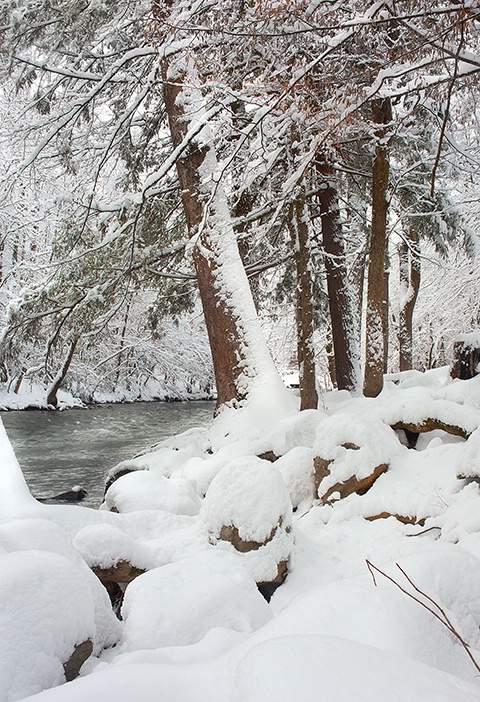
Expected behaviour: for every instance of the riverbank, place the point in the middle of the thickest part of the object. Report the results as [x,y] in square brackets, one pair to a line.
[97,438]
[33,396]
[376,530]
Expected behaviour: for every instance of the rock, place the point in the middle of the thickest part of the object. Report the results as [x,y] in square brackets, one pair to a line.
[267,589]
[400,517]
[76,494]
[248,505]
[121,572]
[113,476]
[268,456]
[350,453]
[349,486]
[80,654]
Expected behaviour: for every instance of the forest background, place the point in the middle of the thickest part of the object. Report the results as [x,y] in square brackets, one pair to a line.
[156,154]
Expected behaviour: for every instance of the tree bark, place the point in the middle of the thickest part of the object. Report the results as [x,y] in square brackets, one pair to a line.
[239,352]
[303,302]
[345,326]
[375,323]
[410,274]
[52,398]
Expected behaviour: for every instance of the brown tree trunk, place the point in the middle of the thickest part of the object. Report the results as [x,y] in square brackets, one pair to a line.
[303,303]
[375,326]
[410,273]
[386,310]
[344,323]
[239,352]
[52,398]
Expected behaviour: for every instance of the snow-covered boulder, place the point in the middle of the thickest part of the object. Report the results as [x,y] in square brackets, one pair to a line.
[177,604]
[42,535]
[47,610]
[248,509]
[112,554]
[350,454]
[143,489]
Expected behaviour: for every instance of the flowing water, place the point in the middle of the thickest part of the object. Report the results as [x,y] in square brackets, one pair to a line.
[57,450]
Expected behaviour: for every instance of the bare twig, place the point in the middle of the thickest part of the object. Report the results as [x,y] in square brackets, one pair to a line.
[440,614]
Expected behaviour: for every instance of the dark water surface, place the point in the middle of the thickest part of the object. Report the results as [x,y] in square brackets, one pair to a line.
[58,450]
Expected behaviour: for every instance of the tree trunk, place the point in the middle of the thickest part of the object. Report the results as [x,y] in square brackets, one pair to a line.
[303,302]
[52,398]
[386,310]
[239,352]
[344,323]
[376,303]
[410,272]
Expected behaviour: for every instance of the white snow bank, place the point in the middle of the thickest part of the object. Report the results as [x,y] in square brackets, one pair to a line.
[464,392]
[296,469]
[385,617]
[46,608]
[33,394]
[469,463]
[296,430]
[44,535]
[104,545]
[147,490]
[177,604]
[322,667]
[414,405]
[14,493]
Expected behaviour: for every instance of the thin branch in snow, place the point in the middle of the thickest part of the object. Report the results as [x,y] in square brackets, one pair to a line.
[436,610]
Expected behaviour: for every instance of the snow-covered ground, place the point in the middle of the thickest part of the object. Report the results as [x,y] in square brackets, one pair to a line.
[194,626]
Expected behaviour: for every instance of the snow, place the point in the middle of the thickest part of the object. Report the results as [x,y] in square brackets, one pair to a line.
[177,604]
[195,627]
[147,490]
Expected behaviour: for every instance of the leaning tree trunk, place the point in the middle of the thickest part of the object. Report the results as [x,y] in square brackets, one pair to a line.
[52,398]
[345,326]
[410,272]
[376,331]
[241,360]
[303,302]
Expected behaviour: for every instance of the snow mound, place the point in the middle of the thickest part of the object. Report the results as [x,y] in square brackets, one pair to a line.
[469,462]
[296,430]
[43,535]
[177,604]
[249,494]
[312,667]
[104,546]
[355,447]
[143,490]
[296,468]
[46,609]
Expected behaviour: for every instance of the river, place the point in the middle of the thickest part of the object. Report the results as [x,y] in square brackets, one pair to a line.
[57,450]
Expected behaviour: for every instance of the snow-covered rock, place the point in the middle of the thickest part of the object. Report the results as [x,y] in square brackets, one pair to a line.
[179,603]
